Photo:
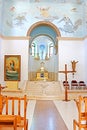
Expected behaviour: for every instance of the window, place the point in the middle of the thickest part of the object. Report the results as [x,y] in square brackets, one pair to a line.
[42,47]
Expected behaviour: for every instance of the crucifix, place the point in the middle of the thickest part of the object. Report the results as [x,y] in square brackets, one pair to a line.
[66,72]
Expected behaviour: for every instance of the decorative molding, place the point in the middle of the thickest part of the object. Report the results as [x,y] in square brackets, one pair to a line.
[70,38]
[15,37]
[28,37]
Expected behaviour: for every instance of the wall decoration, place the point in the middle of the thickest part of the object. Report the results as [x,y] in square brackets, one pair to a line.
[45,14]
[68,26]
[12,64]
[69,16]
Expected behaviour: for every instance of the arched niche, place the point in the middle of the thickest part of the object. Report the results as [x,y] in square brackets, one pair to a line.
[43,48]
[44,24]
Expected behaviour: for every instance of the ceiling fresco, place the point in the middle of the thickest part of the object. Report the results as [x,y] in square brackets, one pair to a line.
[69,16]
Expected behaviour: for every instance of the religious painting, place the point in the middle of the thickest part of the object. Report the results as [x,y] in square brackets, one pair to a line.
[12,67]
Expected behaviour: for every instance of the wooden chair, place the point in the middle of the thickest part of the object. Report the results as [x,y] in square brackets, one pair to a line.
[66,83]
[6,120]
[82,84]
[82,114]
[74,84]
[16,107]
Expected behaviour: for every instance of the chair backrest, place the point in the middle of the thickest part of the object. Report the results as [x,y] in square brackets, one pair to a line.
[2,102]
[82,109]
[16,106]
[73,81]
[65,81]
[82,83]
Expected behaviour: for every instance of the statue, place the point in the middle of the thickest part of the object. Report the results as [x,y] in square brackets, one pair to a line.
[42,66]
[74,65]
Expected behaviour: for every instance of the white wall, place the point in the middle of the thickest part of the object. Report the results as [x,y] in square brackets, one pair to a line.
[0,59]
[85,51]
[15,47]
[69,51]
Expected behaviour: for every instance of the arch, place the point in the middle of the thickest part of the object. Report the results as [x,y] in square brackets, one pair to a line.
[43,28]
[44,23]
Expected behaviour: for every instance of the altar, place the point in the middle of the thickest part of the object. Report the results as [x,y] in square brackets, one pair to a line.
[42,76]
[42,73]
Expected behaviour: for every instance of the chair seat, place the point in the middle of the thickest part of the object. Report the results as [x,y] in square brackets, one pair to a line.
[74,84]
[82,84]
[8,120]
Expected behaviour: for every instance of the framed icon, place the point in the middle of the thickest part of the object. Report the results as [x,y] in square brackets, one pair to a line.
[12,67]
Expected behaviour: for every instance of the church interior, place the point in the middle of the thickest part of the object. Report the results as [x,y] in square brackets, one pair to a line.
[43,62]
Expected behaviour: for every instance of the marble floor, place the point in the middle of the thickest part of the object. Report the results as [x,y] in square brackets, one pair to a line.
[68,111]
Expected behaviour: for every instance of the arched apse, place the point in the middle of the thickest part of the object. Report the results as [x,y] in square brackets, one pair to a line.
[43,48]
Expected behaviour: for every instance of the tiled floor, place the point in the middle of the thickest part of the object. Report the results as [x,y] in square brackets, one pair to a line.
[67,110]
